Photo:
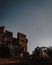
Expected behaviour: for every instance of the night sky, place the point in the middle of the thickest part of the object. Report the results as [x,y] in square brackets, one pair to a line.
[30,17]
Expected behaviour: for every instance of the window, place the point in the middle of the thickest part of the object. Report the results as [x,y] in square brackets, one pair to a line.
[21,54]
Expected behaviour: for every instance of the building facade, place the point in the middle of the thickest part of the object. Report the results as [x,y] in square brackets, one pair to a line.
[10,46]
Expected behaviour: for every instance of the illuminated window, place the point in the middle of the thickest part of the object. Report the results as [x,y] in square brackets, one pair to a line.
[21,54]
[0,42]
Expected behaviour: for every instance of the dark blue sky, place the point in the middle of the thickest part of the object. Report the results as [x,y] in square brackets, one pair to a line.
[31,17]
